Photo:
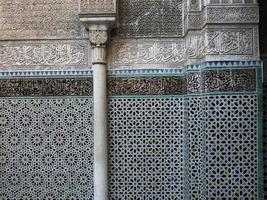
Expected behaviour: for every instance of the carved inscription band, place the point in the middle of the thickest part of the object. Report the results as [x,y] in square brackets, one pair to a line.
[209,81]
[46,87]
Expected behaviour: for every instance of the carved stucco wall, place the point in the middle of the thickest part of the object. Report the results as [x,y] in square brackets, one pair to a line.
[150,34]
[42,35]
[164,143]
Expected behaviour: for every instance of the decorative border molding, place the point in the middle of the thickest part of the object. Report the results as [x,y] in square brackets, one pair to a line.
[209,77]
[45,55]
[203,80]
[131,86]
[46,87]
[45,73]
[212,43]
[159,72]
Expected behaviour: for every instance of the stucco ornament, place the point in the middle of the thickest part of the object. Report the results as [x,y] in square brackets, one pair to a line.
[98,38]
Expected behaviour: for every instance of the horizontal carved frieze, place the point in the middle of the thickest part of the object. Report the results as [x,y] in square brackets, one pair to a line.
[174,53]
[236,80]
[146,86]
[156,52]
[208,81]
[46,87]
[44,55]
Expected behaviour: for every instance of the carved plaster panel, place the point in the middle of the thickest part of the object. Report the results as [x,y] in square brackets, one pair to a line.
[152,53]
[39,19]
[221,15]
[194,5]
[97,6]
[229,2]
[150,18]
[212,42]
[45,55]
[237,14]
[232,42]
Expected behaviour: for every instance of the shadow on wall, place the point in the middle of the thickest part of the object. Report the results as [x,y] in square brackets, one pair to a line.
[265,135]
[263,51]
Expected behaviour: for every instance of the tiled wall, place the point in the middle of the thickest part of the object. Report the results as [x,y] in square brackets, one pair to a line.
[173,134]
[184,135]
[46,138]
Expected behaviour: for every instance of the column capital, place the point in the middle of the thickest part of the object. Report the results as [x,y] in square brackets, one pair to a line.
[98,17]
[98,38]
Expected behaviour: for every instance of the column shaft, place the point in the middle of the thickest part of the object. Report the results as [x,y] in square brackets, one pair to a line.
[100,133]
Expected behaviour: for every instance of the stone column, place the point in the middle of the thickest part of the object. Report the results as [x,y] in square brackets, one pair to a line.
[98,39]
[99,17]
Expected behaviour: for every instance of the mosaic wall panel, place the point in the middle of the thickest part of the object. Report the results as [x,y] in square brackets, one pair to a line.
[146,145]
[46,148]
[231,146]
[150,18]
[196,146]
[214,131]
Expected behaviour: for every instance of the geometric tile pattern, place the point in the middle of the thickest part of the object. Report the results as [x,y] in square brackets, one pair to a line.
[46,148]
[231,146]
[196,147]
[146,148]
[206,146]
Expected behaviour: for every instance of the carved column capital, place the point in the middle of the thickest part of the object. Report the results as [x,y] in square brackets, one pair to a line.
[98,38]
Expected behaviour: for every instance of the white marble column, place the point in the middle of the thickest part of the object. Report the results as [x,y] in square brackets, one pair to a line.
[99,17]
[98,39]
